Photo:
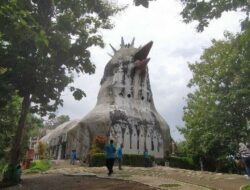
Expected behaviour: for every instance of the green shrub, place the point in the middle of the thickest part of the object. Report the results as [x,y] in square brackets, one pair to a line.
[247,187]
[181,162]
[11,176]
[98,160]
[39,166]
[3,166]
[136,160]
[160,161]
[169,185]
[225,165]
[42,148]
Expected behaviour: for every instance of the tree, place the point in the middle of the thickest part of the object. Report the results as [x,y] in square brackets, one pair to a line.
[42,43]
[144,3]
[54,122]
[217,113]
[204,11]
[42,148]
[8,121]
[220,116]
[9,114]
[181,148]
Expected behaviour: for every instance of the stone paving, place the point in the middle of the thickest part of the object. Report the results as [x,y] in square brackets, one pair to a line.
[157,176]
[142,175]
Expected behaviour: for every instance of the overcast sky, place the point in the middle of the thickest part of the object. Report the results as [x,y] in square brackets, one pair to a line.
[175,44]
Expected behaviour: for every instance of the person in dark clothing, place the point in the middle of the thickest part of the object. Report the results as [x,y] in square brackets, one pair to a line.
[110,156]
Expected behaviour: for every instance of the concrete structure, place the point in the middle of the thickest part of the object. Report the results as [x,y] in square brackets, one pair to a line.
[124,112]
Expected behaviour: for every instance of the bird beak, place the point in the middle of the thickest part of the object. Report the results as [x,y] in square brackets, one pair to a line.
[143,52]
[140,56]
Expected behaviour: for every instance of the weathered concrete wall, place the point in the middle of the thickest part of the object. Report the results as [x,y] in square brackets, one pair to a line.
[125,108]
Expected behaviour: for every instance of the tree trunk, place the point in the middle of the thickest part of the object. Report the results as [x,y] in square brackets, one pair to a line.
[12,175]
[17,141]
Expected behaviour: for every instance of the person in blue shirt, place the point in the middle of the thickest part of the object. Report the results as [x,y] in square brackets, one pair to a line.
[110,151]
[119,156]
[146,158]
[73,157]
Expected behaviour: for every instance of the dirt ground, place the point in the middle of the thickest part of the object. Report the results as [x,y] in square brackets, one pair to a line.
[62,182]
[63,176]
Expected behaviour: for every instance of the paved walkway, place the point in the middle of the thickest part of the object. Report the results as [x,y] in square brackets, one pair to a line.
[163,176]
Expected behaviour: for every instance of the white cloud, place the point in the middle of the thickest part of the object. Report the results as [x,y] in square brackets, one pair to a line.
[175,44]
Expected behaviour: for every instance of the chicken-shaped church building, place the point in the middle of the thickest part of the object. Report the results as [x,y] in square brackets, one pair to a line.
[124,112]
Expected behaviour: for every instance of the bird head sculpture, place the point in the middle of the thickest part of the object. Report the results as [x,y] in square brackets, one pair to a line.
[126,76]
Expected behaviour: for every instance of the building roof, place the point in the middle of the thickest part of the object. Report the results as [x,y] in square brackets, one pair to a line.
[61,130]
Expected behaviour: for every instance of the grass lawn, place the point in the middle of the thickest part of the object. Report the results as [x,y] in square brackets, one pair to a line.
[38,166]
[247,187]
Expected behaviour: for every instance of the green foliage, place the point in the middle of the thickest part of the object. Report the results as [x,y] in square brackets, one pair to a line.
[42,148]
[98,159]
[247,187]
[159,161]
[9,114]
[169,185]
[144,3]
[182,162]
[12,172]
[217,112]
[136,160]
[182,149]
[54,122]
[3,166]
[94,149]
[42,44]
[100,141]
[204,11]
[98,145]
[226,165]
[39,166]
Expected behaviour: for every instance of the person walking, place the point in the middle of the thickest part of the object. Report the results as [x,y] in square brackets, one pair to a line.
[119,156]
[146,158]
[73,157]
[245,156]
[110,151]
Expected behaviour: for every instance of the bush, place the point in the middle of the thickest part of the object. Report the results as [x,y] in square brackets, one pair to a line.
[97,147]
[225,165]
[97,160]
[3,166]
[160,161]
[42,148]
[229,165]
[39,166]
[100,141]
[11,176]
[247,187]
[135,160]
[182,162]
[94,150]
